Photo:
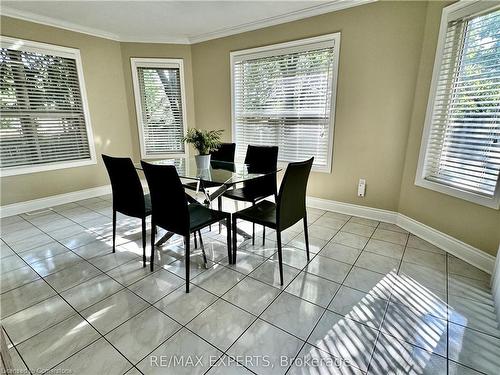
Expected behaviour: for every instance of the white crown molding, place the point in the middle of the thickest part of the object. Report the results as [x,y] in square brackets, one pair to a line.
[276,20]
[466,252]
[271,21]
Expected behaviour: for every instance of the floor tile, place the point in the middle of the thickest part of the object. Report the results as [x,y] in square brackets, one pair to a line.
[218,279]
[424,276]
[43,252]
[114,310]
[344,338]
[72,276]
[62,233]
[323,233]
[5,250]
[269,273]
[251,295]
[418,243]
[112,260]
[464,269]
[183,306]
[312,360]
[313,288]
[425,258]
[337,215]
[24,296]
[393,227]
[377,284]
[97,358]
[156,286]
[288,310]
[385,248]
[359,229]
[473,314]
[359,306]
[14,279]
[469,288]
[245,262]
[418,298]
[390,236]
[228,366]
[328,268]
[221,324]
[32,320]
[29,242]
[78,240]
[196,267]
[315,244]
[364,221]
[340,252]
[57,343]
[11,263]
[377,263]
[330,222]
[142,334]
[91,291]
[18,366]
[57,263]
[458,369]
[263,338]
[130,272]
[422,330]
[183,345]
[293,257]
[474,349]
[349,239]
[394,357]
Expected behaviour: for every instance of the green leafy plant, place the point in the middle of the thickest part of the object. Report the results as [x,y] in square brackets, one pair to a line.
[205,141]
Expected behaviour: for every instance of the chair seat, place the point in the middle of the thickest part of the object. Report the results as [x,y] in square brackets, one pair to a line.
[246,194]
[263,213]
[201,216]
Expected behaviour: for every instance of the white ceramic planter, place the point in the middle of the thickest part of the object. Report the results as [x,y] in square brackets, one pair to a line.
[202,161]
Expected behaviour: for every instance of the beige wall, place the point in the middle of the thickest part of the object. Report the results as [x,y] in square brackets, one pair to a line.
[477,225]
[386,61]
[103,73]
[379,55]
[175,51]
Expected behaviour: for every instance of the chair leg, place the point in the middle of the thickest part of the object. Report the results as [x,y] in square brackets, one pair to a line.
[280,256]
[263,235]
[253,229]
[187,260]
[219,205]
[114,230]
[195,241]
[235,238]
[306,235]
[228,226]
[202,249]
[144,243]
[152,257]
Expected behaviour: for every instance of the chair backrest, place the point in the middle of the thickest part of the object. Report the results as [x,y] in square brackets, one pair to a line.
[225,152]
[262,159]
[168,199]
[291,205]
[128,195]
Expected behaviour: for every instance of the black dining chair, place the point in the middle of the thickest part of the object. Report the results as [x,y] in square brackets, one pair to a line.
[260,159]
[290,207]
[128,195]
[171,211]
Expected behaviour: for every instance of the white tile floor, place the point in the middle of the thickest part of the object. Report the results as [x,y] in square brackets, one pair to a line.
[373,299]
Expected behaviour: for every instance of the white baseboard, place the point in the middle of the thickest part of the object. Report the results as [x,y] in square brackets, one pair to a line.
[466,252]
[54,200]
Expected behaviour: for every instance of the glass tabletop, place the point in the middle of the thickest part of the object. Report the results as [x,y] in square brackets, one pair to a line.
[220,172]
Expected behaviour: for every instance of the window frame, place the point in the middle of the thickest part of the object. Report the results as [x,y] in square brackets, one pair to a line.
[66,52]
[327,40]
[450,13]
[146,62]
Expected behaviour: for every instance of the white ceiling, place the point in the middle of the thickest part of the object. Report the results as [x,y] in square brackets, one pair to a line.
[168,21]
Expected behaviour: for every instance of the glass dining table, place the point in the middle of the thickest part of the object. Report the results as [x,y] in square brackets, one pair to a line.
[212,182]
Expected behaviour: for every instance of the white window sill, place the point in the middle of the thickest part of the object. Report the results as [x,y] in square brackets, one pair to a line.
[14,171]
[458,193]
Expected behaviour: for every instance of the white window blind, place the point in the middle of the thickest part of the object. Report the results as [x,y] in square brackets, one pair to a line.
[283,95]
[43,115]
[160,106]
[463,140]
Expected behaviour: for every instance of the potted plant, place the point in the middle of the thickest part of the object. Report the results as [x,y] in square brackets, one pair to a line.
[204,141]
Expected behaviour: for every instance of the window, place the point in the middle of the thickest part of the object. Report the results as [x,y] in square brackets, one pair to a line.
[284,95]
[44,116]
[460,152]
[160,106]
